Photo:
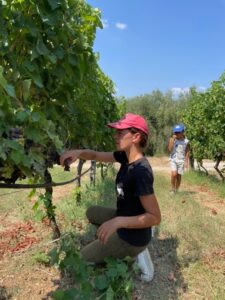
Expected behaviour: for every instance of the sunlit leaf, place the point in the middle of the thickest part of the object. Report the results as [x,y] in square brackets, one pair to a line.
[26,88]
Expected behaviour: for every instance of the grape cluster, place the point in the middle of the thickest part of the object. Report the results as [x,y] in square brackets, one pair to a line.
[51,155]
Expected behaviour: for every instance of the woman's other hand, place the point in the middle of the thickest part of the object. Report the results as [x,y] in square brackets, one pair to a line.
[69,156]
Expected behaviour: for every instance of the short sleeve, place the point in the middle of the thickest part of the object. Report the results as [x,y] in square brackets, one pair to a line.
[144,182]
[121,157]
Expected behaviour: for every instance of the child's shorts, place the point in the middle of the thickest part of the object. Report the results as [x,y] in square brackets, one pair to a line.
[177,166]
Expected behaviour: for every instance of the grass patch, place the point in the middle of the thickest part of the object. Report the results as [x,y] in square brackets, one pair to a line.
[201,179]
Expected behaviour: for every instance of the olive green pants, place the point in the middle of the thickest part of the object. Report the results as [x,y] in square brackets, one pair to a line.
[115,247]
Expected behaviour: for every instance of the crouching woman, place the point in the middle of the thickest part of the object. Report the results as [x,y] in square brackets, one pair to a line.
[124,230]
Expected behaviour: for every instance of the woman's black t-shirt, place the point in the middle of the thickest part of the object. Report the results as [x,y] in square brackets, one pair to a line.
[133,180]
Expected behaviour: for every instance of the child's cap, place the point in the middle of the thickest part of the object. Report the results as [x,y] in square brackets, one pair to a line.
[178,128]
[130,120]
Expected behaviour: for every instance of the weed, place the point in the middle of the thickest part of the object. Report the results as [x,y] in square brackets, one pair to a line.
[113,281]
[41,258]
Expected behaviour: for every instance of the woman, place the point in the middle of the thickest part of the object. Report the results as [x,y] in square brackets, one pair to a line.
[126,230]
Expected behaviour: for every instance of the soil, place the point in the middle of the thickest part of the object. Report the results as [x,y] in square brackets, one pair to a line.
[22,279]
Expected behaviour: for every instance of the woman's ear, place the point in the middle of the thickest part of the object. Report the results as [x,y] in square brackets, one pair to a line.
[136,137]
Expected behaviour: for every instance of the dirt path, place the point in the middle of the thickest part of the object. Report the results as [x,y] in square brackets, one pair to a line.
[208,198]
[163,164]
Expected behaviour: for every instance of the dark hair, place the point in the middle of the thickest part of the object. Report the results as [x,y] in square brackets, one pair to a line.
[144,137]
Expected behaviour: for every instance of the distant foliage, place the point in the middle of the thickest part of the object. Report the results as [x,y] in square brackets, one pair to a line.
[162,112]
[205,120]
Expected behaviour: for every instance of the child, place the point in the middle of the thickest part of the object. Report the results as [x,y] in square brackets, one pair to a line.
[179,156]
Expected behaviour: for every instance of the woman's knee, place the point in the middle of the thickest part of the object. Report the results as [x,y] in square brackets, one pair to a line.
[91,212]
[97,214]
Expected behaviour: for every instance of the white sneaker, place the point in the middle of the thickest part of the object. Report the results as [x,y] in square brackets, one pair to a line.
[172,192]
[146,266]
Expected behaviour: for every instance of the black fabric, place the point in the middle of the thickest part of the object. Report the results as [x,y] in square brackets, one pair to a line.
[133,180]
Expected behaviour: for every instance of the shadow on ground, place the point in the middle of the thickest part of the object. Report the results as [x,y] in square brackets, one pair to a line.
[4,295]
[168,282]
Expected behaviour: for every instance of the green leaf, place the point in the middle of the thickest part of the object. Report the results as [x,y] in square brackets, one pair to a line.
[34,134]
[16,156]
[34,54]
[112,273]
[101,282]
[10,90]
[37,80]
[7,171]
[32,193]
[36,116]
[67,295]
[52,58]
[72,59]
[2,153]
[31,66]
[59,52]
[35,206]
[54,4]
[59,295]
[110,294]
[22,116]
[37,156]
[41,48]
[26,88]
[13,145]
[39,215]
[54,255]
[3,81]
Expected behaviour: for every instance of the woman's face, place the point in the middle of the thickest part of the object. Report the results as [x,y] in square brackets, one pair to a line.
[123,139]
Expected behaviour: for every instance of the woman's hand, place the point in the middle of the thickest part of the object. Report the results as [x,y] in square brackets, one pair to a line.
[69,156]
[107,229]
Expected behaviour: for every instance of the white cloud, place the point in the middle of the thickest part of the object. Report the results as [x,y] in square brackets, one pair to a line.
[201,88]
[121,26]
[177,91]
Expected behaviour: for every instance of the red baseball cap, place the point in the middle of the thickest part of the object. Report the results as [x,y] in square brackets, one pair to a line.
[130,120]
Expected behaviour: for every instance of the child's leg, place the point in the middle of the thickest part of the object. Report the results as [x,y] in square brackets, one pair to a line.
[173,175]
[173,180]
[180,172]
[178,181]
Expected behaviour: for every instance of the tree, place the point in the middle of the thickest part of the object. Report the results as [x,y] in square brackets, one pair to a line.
[205,121]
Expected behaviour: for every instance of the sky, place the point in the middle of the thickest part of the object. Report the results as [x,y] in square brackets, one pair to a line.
[161,44]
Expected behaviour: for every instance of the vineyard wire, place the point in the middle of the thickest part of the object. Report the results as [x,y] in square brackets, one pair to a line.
[22,189]
[40,185]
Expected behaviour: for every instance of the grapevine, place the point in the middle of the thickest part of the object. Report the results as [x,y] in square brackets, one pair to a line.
[52,90]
